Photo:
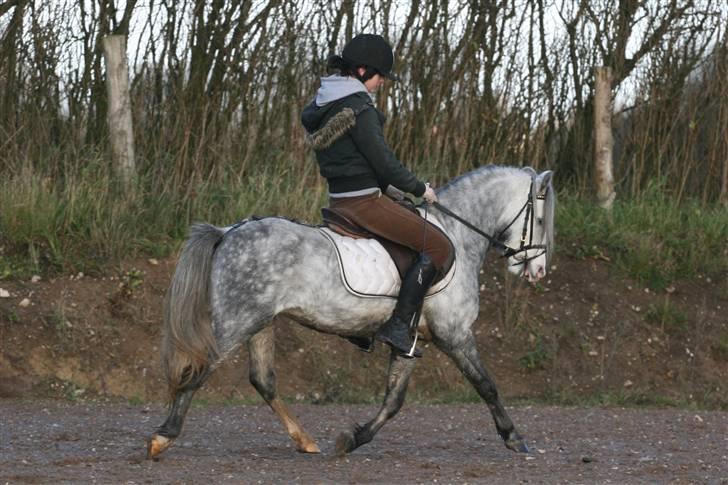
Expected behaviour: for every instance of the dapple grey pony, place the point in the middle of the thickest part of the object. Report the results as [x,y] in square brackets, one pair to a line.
[231,282]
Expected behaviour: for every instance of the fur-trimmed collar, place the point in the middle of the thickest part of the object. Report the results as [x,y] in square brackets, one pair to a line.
[334,129]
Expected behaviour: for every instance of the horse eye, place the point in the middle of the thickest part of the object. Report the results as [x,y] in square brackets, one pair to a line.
[539,221]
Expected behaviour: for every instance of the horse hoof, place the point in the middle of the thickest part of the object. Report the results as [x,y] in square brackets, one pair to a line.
[345,443]
[517,445]
[308,447]
[156,445]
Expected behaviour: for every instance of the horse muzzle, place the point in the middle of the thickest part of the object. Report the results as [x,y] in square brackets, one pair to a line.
[533,273]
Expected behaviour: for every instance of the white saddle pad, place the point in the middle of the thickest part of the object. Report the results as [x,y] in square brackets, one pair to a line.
[368,271]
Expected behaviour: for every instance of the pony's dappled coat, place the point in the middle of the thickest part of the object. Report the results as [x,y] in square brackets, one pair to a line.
[226,290]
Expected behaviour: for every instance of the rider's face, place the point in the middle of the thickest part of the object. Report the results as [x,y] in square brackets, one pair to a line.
[374,82]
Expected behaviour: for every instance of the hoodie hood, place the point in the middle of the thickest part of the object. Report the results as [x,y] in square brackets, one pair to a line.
[334,88]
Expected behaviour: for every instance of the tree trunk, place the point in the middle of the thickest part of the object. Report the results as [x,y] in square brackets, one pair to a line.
[603,141]
[723,198]
[119,112]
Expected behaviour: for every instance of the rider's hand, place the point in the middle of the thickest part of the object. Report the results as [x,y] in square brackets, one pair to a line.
[430,196]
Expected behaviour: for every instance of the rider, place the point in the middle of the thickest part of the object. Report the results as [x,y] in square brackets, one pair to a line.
[346,131]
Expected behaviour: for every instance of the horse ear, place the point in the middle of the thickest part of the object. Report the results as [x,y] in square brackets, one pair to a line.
[544,181]
[530,171]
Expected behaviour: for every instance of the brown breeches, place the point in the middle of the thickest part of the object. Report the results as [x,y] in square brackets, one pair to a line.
[384,217]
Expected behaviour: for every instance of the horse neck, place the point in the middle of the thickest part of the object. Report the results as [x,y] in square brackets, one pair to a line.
[488,199]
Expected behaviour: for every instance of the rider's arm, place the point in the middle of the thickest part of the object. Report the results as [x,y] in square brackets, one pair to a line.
[369,139]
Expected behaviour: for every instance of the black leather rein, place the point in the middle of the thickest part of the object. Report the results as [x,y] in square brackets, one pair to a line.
[505,250]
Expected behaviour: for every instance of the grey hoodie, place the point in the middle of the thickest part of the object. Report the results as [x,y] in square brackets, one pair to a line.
[335,87]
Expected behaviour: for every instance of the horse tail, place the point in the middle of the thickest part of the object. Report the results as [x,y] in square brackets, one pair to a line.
[188,344]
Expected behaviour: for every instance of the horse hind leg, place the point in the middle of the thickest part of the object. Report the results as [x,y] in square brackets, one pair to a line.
[172,426]
[400,370]
[262,376]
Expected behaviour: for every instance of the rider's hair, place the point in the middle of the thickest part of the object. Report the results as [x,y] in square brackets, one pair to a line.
[338,63]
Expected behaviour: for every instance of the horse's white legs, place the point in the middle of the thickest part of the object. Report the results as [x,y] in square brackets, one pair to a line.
[400,370]
[263,378]
[466,357]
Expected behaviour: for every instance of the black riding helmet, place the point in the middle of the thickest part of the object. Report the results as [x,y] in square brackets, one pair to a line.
[370,50]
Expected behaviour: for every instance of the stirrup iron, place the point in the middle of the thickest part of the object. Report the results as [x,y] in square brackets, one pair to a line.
[413,326]
[411,353]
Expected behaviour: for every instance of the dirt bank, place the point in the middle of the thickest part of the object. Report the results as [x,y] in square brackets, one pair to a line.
[585,333]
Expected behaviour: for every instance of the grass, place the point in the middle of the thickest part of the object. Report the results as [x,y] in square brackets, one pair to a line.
[635,398]
[720,348]
[668,317]
[462,393]
[455,394]
[465,394]
[83,221]
[130,281]
[537,357]
[651,239]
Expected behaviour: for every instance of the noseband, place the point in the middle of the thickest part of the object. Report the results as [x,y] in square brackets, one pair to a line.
[505,250]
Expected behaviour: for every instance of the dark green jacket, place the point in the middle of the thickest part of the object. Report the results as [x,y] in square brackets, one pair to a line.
[348,138]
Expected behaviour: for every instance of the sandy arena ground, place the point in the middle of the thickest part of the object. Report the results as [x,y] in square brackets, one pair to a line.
[57,441]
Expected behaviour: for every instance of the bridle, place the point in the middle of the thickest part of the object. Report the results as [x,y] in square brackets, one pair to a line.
[495,241]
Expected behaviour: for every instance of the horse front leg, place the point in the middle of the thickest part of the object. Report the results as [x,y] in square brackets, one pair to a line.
[400,370]
[466,357]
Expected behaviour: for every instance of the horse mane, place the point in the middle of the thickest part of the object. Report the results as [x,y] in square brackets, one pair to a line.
[485,171]
[549,217]
[488,171]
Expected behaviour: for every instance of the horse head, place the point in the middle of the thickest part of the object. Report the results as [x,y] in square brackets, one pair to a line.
[530,235]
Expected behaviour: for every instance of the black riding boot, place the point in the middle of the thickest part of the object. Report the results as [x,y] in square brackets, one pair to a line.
[396,331]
